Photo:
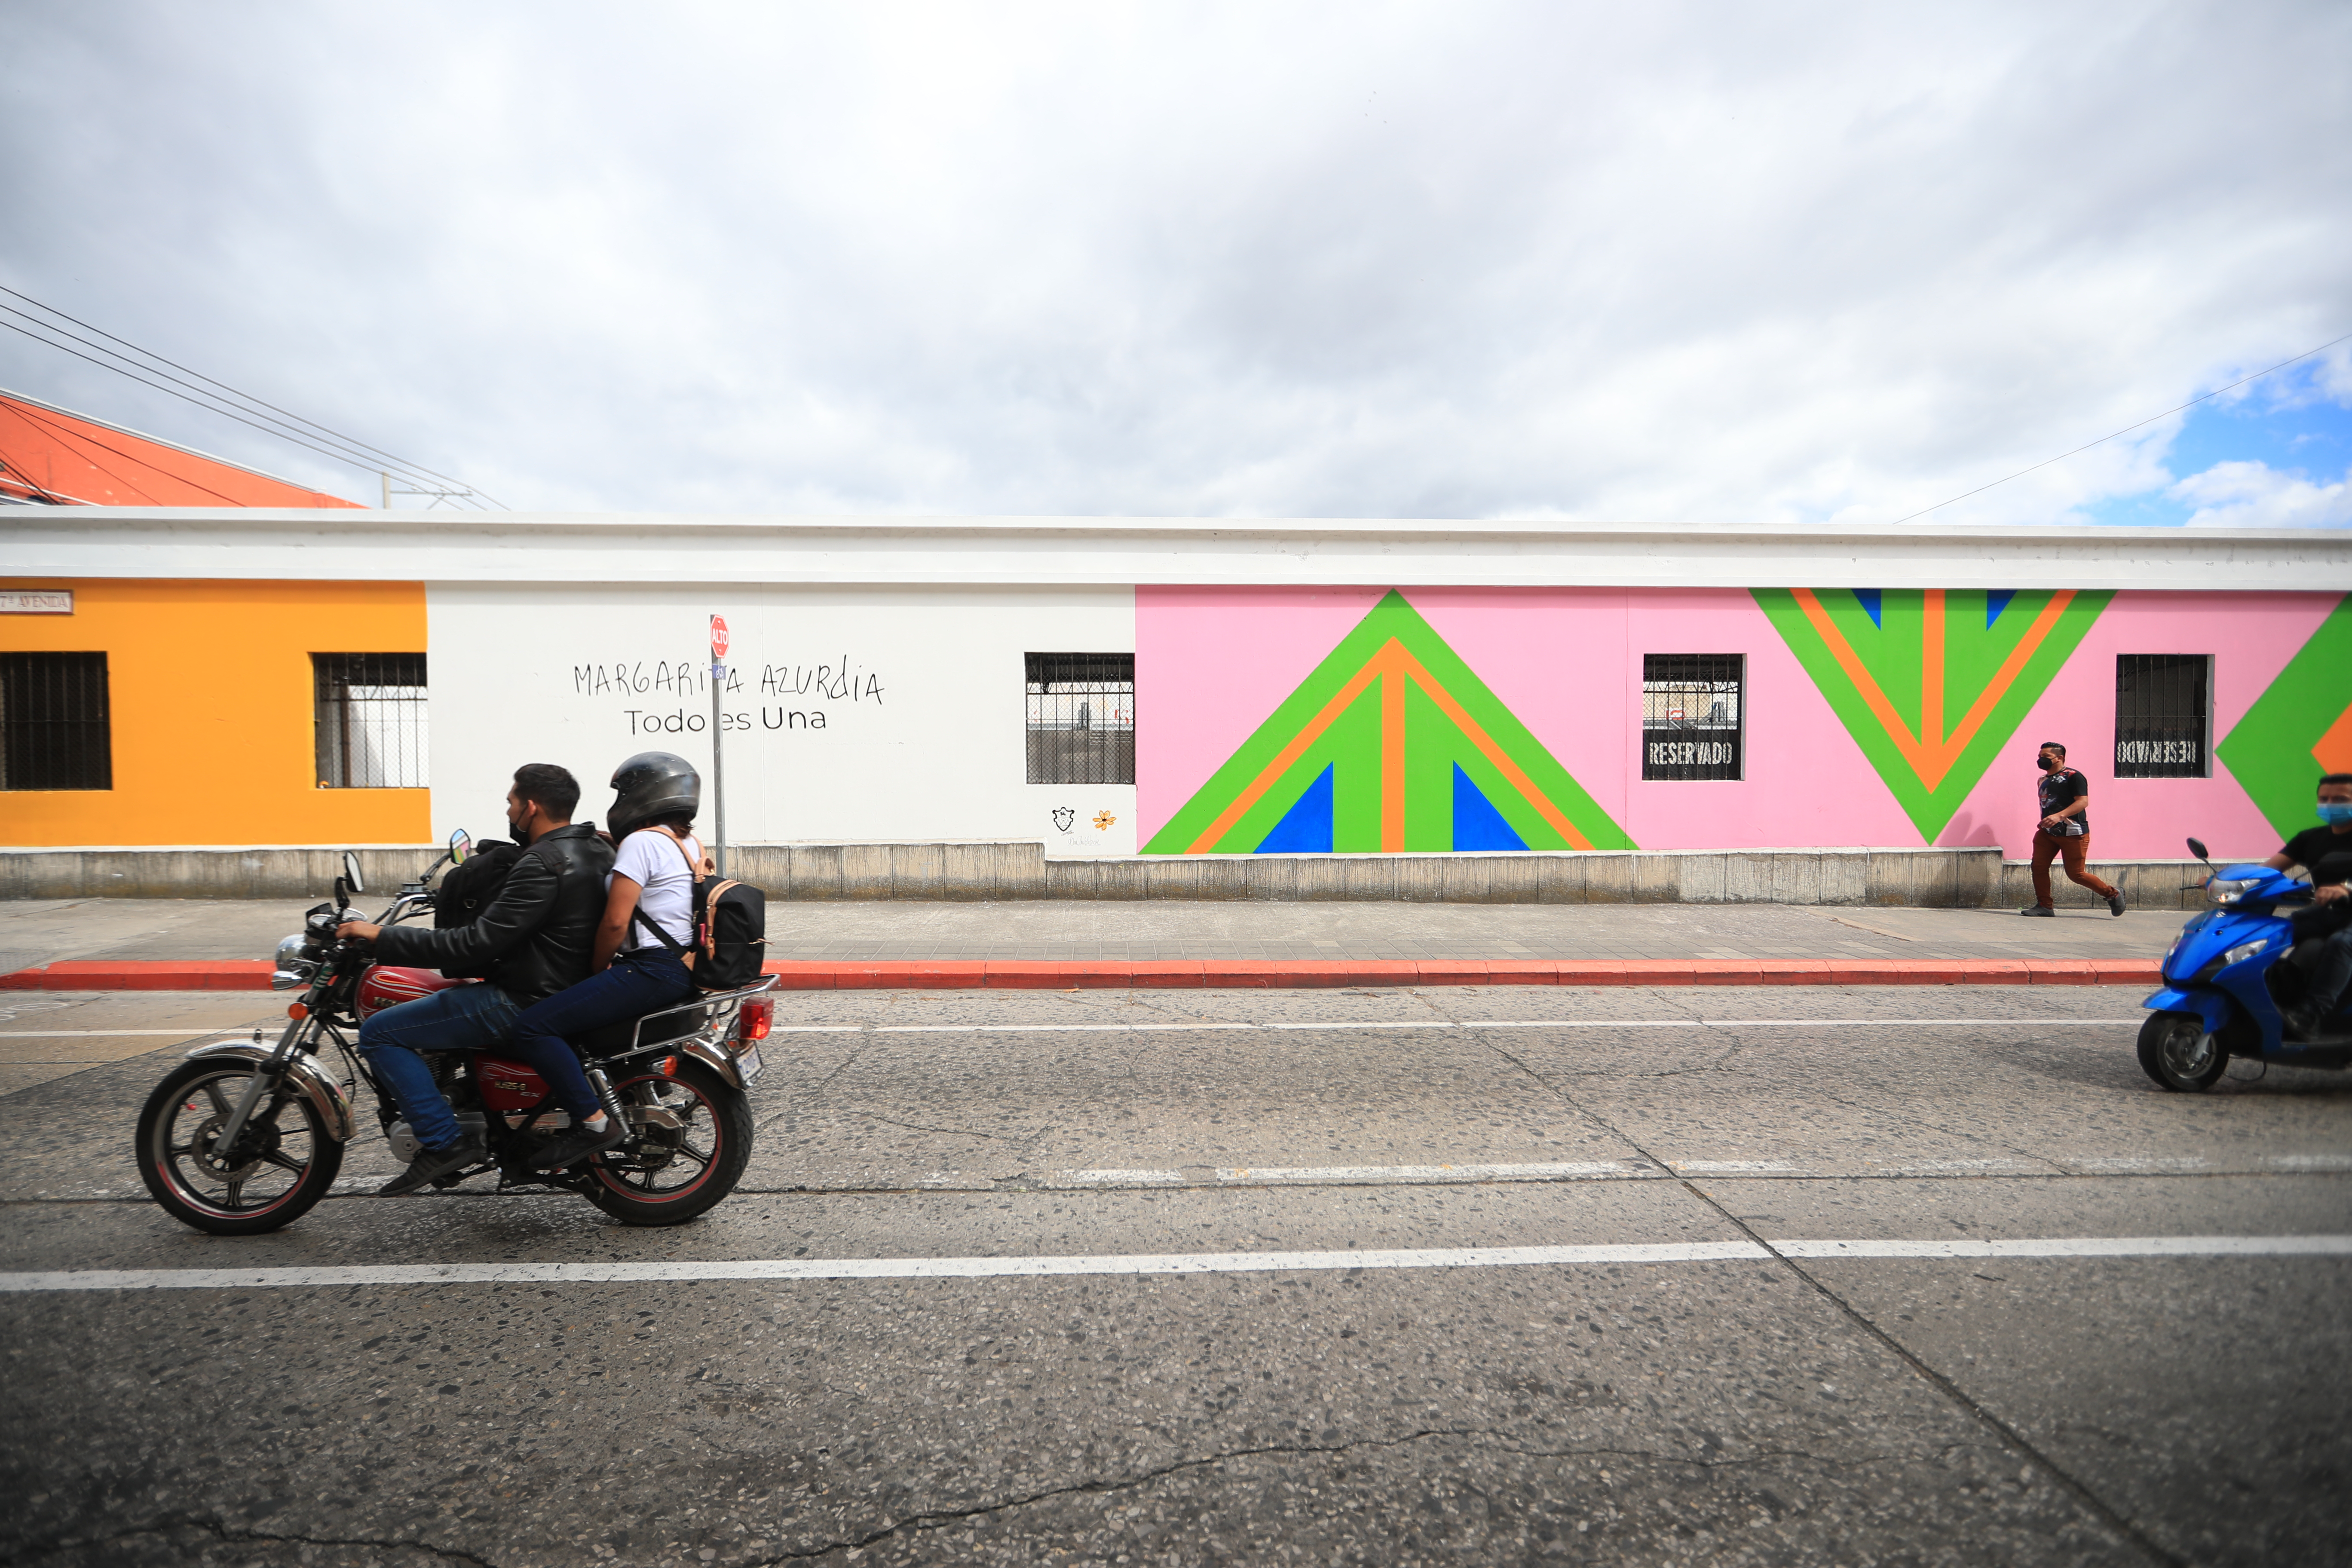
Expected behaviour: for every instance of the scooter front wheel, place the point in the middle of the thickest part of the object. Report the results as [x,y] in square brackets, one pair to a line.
[2176,1051]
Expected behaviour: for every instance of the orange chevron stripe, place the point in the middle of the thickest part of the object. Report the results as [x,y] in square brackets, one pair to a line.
[1290,753]
[1932,756]
[1392,665]
[1528,789]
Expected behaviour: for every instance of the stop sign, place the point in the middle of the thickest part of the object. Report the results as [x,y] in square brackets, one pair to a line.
[717,636]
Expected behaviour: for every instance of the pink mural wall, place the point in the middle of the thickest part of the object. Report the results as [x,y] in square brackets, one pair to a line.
[1211,663]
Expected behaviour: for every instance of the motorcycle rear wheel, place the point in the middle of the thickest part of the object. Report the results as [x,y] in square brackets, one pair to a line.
[287,1160]
[691,1139]
[2176,1051]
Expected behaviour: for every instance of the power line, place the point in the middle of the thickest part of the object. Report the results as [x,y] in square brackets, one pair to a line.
[358,453]
[202,399]
[2128,428]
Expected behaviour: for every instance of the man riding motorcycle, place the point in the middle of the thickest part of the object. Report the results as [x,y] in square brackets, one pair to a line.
[531,941]
[2326,853]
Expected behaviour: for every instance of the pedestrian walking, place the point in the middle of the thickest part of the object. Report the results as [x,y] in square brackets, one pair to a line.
[2063,834]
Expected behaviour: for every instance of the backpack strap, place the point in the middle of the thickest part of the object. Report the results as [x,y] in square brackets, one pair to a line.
[684,951]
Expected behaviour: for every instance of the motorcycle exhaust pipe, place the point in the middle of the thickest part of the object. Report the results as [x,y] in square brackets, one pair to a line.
[606,1097]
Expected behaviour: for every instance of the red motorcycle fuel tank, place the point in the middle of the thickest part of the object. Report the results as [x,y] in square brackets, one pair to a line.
[508,1086]
[387,986]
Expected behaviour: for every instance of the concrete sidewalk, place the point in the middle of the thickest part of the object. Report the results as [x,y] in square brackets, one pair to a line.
[1112,936]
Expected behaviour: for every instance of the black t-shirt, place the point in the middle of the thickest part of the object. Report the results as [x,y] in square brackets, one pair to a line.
[2312,845]
[2059,791]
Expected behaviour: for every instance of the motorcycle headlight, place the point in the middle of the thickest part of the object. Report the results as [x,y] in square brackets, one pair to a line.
[292,971]
[2229,891]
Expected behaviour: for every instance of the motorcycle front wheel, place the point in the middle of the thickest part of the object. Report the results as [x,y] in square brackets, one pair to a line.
[283,1163]
[691,1137]
[2176,1051]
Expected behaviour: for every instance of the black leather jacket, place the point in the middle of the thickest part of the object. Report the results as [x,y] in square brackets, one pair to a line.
[534,938]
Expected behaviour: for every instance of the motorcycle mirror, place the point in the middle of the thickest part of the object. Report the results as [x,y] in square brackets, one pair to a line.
[352,878]
[2196,847]
[461,844]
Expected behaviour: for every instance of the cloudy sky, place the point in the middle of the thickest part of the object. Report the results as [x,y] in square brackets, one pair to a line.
[1792,262]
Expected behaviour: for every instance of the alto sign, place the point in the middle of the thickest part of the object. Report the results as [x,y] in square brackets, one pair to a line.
[719,637]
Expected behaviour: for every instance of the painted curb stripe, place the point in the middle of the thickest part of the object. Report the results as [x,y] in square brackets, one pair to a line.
[1054,975]
[1158,1263]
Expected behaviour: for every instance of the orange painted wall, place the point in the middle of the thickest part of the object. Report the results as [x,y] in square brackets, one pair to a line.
[211,697]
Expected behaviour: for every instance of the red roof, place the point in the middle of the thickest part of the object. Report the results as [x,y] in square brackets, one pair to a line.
[50,454]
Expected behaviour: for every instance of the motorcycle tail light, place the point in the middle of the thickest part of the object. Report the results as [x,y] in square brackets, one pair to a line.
[756,1018]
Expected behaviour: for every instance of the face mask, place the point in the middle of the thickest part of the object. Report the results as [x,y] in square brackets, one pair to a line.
[2045,764]
[2335,812]
[521,835]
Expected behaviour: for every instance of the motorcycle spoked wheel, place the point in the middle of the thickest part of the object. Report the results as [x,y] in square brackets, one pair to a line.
[691,1143]
[2176,1051]
[283,1163]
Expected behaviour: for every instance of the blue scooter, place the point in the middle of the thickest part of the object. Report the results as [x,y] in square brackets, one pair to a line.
[2224,978]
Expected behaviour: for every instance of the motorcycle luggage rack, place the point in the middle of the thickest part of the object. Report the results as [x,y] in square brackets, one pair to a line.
[720,1010]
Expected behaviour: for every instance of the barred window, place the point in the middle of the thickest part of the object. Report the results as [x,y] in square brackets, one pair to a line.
[369,712]
[1081,718]
[56,728]
[1691,714]
[2164,715]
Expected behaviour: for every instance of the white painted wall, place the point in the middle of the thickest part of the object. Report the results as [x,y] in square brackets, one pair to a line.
[910,701]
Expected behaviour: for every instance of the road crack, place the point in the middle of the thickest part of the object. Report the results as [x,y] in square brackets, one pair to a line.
[940,1519]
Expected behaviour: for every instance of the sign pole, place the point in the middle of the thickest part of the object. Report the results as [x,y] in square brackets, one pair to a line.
[718,763]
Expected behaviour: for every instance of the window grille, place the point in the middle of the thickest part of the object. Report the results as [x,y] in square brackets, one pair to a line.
[370,721]
[56,727]
[2163,715]
[1691,715]
[1081,718]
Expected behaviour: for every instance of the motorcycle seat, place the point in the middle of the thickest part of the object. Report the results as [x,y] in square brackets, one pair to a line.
[615,1037]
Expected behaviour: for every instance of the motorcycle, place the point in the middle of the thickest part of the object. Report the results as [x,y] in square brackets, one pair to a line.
[2225,976]
[244,1138]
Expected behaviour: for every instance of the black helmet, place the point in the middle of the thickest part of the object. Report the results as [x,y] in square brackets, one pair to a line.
[648,785]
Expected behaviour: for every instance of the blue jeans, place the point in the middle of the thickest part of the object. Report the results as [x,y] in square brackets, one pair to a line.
[462,1018]
[646,981]
[2325,980]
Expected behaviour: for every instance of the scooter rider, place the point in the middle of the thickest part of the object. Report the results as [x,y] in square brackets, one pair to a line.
[2331,910]
[533,938]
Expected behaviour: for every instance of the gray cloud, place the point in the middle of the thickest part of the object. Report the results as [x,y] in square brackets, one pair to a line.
[1703,262]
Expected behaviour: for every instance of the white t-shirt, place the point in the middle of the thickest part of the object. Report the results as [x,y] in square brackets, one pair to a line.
[650,858]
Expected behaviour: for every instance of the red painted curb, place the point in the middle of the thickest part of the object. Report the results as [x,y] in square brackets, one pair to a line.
[1226,974]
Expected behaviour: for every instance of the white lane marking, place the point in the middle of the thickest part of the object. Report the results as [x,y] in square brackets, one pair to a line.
[1731,1167]
[875,1267]
[1157,1263]
[1430,1023]
[240,1032]
[1114,1178]
[1554,1171]
[2081,1246]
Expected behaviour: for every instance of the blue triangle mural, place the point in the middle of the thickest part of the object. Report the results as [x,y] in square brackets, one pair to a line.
[1869,597]
[1476,823]
[1305,827]
[1996,601]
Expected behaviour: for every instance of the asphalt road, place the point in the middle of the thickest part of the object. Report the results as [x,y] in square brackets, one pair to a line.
[1479,1275]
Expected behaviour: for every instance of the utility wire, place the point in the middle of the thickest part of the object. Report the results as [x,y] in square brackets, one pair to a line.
[214,404]
[369,457]
[2127,429]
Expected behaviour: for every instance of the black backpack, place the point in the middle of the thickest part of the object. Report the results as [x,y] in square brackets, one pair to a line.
[469,887]
[730,930]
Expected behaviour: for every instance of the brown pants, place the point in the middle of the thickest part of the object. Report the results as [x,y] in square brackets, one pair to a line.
[2071,851]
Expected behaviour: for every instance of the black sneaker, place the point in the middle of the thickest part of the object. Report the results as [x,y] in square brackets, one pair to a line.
[578,1144]
[2116,902]
[432,1162]
[2039,909]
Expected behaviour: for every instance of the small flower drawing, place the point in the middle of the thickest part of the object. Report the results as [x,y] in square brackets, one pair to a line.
[1103,820]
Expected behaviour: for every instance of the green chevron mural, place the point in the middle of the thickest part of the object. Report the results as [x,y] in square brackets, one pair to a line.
[2300,727]
[1931,683]
[1392,743]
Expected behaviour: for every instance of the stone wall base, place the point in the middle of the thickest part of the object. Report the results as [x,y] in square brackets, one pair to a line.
[1966,879]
